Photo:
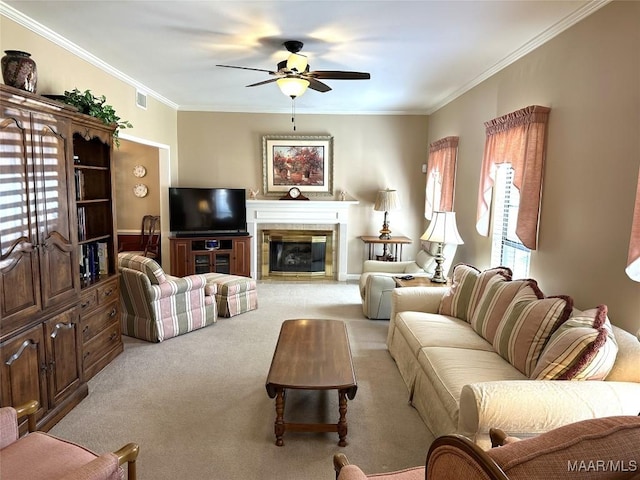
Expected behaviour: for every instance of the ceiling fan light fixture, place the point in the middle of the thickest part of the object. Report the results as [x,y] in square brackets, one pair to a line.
[292,87]
[296,63]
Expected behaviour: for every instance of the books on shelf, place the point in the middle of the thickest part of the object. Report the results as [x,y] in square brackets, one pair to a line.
[82,224]
[94,260]
[79,181]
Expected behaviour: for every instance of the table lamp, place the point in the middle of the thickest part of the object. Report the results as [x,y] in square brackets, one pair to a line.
[385,201]
[441,230]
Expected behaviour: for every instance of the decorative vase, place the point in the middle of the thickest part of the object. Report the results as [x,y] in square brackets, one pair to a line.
[19,70]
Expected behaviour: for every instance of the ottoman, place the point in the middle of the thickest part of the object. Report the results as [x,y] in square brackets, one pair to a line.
[234,294]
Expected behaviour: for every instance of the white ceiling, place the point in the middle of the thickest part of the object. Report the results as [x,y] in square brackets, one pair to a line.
[421,54]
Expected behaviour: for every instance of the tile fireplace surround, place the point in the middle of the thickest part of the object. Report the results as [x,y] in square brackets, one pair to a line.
[298,214]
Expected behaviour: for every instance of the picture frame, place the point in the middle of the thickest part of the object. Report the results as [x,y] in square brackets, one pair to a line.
[303,161]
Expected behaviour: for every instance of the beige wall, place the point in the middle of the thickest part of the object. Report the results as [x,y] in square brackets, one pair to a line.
[590,77]
[371,152]
[131,209]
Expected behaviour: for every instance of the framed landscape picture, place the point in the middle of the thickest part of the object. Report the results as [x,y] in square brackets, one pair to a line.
[305,162]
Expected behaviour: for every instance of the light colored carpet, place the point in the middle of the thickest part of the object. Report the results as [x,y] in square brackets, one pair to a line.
[198,408]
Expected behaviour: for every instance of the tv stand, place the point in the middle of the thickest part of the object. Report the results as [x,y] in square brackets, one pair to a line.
[225,253]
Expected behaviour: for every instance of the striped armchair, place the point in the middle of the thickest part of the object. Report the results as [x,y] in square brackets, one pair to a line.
[156,306]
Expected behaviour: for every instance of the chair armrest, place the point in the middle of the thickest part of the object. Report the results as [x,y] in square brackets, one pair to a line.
[177,285]
[29,409]
[128,454]
[455,456]
[346,471]
[527,408]
[386,267]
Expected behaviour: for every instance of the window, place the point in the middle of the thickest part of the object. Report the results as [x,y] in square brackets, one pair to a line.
[506,247]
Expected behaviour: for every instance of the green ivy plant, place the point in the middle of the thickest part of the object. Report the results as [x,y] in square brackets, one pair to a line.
[87,103]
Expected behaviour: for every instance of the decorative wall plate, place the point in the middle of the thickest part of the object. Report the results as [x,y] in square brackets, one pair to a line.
[140,190]
[139,171]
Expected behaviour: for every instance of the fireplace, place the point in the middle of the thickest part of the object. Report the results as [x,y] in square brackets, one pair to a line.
[300,215]
[297,254]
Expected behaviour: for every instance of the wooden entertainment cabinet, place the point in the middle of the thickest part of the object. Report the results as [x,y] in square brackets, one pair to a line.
[220,254]
[59,301]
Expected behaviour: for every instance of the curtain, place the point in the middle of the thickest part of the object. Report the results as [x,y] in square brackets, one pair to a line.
[633,262]
[517,138]
[441,176]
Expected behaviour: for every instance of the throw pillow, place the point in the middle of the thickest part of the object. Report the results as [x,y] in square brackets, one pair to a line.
[493,306]
[467,288]
[583,348]
[528,323]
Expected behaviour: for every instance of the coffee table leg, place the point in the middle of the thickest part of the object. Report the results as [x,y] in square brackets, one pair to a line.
[342,423]
[279,425]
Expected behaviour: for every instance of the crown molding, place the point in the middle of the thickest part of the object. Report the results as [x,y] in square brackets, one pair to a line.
[559,27]
[39,29]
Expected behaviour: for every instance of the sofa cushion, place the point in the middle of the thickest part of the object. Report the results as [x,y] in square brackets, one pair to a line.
[467,288]
[527,325]
[433,330]
[449,369]
[493,306]
[583,348]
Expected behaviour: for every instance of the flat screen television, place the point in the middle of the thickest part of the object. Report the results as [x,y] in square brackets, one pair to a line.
[194,211]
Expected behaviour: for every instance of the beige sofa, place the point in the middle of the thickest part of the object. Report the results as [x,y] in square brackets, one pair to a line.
[459,382]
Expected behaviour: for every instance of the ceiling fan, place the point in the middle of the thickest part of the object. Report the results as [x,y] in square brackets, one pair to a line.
[293,75]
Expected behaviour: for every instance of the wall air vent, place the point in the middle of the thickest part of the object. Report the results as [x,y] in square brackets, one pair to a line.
[141,99]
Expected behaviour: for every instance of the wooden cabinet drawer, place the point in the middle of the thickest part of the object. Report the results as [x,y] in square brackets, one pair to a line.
[88,301]
[94,322]
[107,292]
[101,345]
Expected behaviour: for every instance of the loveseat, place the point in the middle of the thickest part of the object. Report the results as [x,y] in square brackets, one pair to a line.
[491,352]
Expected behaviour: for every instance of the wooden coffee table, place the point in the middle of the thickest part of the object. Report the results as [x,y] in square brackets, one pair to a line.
[312,355]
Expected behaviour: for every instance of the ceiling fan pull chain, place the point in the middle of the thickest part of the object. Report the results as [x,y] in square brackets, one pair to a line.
[293,112]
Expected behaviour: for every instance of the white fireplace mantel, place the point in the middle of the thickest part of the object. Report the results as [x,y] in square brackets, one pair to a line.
[300,212]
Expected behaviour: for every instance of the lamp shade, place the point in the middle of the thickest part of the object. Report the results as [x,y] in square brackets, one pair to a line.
[386,200]
[296,63]
[443,229]
[292,87]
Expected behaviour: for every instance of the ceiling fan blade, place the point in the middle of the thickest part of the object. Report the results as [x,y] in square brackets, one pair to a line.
[263,82]
[318,86]
[339,75]
[270,72]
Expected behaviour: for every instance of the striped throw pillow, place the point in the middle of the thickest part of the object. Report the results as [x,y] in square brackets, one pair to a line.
[467,288]
[493,306]
[528,323]
[583,348]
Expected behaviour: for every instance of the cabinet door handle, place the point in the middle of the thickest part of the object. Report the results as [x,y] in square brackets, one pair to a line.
[113,312]
[107,293]
[86,354]
[84,304]
[113,336]
[85,329]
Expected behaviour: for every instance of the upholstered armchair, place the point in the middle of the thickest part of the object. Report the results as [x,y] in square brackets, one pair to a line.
[156,306]
[601,448]
[376,281]
[40,456]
